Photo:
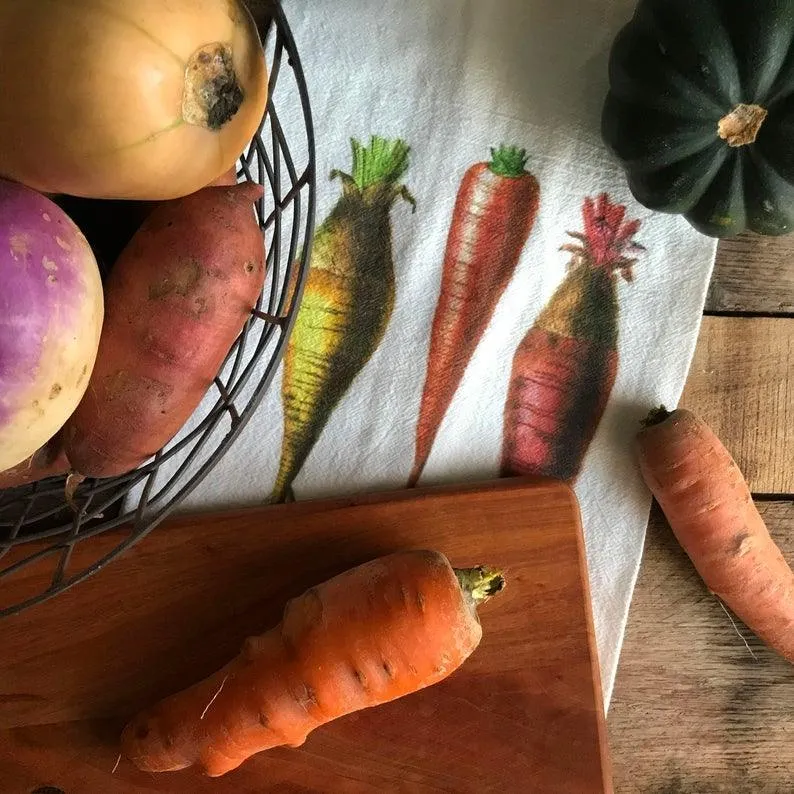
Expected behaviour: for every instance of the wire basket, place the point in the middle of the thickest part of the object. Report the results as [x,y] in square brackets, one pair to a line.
[39,532]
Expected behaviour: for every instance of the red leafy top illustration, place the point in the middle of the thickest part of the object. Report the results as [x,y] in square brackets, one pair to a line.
[607,238]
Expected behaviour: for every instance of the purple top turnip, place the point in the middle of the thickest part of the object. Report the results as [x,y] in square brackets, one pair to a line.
[51,312]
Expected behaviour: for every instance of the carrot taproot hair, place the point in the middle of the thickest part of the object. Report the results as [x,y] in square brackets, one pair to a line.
[375,633]
[708,504]
[494,213]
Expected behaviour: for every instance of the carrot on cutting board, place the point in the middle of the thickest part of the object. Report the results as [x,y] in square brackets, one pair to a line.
[375,633]
[708,504]
[494,213]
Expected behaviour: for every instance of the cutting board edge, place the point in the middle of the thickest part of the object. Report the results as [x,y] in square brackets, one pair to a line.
[595,667]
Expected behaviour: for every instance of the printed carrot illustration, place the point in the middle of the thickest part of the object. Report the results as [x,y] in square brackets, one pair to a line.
[565,367]
[347,301]
[494,213]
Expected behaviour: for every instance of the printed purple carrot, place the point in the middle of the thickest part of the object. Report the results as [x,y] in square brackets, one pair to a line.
[564,369]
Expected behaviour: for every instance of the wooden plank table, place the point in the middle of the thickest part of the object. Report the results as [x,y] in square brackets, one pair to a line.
[700,706]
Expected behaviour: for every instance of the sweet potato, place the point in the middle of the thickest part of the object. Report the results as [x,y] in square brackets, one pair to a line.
[175,302]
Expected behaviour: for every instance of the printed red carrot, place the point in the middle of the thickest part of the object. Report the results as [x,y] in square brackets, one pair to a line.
[564,369]
[494,213]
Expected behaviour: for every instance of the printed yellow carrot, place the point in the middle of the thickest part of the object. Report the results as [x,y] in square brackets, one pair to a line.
[347,301]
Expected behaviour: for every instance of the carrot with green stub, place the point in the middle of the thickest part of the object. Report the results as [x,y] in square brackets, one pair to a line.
[347,301]
[494,213]
[711,511]
[373,634]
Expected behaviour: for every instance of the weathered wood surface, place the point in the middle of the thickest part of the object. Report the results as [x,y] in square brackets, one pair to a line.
[694,711]
[742,383]
[753,274]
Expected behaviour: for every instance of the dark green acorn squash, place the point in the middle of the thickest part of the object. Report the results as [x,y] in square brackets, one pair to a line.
[701,111]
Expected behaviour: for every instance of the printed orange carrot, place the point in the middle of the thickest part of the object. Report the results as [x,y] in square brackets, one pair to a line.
[494,213]
[710,509]
[565,367]
[375,633]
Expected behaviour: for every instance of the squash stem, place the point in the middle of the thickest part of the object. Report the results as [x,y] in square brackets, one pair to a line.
[740,127]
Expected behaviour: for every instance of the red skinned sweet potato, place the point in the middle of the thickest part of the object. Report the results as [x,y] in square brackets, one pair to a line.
[174,304]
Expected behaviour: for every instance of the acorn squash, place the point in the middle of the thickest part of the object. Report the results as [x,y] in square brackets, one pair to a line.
[701,112]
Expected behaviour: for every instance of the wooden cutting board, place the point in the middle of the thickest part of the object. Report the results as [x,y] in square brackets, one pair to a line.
[524,714]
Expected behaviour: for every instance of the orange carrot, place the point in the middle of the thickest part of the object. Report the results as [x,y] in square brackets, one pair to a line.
[710,509]
[375,633]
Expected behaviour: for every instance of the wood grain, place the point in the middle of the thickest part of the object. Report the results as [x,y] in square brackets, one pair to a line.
[742,383]
[693,711]
[753,274]
[523,714]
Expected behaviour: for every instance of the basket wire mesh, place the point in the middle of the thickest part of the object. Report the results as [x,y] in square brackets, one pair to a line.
[39,532]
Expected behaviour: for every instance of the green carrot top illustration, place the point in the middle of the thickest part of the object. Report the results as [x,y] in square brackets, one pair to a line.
[508,161]
[378,167]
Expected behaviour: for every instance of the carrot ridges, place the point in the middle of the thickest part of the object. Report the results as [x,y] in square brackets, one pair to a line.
[712,514]
[375,633]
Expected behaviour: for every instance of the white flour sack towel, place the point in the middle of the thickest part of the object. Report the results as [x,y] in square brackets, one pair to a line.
[485,297]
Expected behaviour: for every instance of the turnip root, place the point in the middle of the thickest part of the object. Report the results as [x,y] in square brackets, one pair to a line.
[51,310]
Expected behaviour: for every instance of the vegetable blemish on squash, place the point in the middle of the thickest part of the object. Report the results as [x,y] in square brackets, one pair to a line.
[19,246]
[213,94]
